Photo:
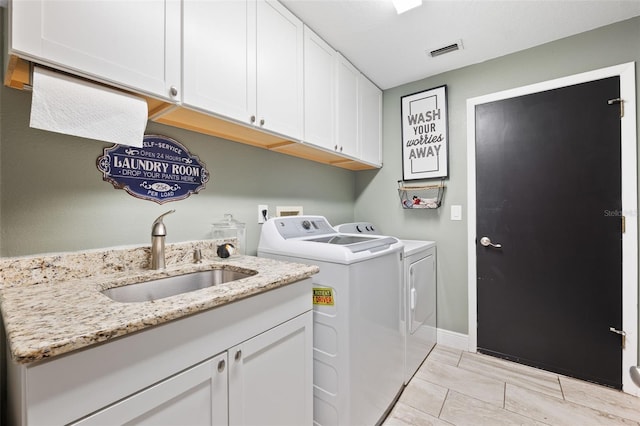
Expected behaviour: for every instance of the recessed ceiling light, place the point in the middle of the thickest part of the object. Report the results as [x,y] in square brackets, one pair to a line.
[404,5]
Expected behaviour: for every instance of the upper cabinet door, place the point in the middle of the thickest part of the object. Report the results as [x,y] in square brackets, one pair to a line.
[219,57]
[347,107]
[319,91]
[243,60]
[128,43]
[370,118]
[279,62]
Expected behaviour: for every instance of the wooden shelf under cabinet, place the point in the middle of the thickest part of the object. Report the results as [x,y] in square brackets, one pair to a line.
[18,76]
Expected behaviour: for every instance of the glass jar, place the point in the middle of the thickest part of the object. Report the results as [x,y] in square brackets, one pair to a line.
[227,228]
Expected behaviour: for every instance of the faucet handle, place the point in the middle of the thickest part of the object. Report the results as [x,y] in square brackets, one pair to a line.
[158,229]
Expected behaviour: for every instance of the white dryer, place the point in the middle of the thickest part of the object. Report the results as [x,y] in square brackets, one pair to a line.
[358,355]
[419,301]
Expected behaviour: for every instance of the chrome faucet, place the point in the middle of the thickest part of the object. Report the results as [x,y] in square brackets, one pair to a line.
[158,232]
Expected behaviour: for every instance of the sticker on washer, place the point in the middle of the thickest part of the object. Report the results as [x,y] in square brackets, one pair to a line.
[323,296]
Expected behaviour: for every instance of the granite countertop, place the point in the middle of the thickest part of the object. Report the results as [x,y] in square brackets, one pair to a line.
[53,304]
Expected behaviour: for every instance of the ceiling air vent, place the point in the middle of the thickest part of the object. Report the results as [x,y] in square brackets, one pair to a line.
[446,49]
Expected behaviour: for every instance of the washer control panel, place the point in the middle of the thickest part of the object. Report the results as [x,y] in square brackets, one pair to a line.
[358,228]
[302,226]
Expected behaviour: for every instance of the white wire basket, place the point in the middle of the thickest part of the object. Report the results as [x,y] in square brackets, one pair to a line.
[420,196]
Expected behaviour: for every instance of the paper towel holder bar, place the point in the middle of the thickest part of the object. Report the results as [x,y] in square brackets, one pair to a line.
[28,84]
[33,66]
[19,74]
[26,78]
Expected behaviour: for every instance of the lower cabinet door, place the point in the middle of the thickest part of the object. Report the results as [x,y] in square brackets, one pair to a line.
[271,376]
[197,396]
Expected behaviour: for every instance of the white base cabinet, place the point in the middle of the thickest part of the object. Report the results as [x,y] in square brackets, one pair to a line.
[197,396]
[245,363]
[267,376]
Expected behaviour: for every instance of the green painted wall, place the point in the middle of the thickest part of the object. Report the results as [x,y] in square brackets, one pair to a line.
[53,197]
[377,198]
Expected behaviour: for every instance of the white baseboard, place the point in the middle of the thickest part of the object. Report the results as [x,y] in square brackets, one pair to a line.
[453,339]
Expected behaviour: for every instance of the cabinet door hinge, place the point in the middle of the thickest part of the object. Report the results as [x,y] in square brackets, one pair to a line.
[624,224]
[618,101]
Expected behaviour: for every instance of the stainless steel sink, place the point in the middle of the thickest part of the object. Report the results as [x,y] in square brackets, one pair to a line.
[165,287]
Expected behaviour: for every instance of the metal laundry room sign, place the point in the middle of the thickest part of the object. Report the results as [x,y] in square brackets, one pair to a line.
[162,170]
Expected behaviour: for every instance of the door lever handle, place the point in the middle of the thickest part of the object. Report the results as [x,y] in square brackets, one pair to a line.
[486,242]
[622,334]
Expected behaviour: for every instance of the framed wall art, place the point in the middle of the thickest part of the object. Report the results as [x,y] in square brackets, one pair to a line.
[425,136]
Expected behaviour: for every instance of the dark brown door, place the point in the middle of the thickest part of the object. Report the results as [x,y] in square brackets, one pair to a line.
[548,172]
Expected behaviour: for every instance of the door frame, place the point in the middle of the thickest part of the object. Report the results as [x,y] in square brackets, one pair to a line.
[627,75]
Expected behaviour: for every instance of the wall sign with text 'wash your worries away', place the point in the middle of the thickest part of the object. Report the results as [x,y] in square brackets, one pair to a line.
[425,135]
[162,170]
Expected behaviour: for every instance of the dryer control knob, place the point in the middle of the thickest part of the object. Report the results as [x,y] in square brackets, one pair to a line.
[306,224]
[358,228]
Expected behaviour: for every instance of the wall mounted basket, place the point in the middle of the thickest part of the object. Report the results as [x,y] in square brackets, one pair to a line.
[420,196]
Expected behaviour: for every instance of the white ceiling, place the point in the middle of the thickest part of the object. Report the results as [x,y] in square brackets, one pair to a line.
[393,49]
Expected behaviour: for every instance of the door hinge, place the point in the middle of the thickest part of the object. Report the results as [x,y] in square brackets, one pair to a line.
[618,101]
[622,334]
[624,224]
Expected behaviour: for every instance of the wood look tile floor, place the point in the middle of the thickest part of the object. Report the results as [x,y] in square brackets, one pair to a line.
[454,387]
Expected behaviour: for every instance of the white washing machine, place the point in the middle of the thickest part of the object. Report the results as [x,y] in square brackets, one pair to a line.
[419,301]
[358,356]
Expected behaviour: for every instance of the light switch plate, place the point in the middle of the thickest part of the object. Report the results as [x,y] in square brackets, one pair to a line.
[456,212]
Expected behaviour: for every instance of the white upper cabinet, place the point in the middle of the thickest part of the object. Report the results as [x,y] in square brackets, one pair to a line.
[319,91]
[279,69]
[370,122]
[342,108]
[346,108]
[218,67]
[243,60]
[128,43]
[251,63]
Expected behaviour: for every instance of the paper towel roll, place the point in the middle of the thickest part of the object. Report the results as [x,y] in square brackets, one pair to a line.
[76,107]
